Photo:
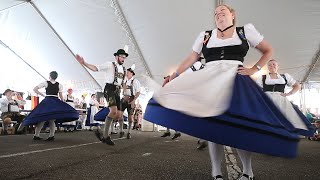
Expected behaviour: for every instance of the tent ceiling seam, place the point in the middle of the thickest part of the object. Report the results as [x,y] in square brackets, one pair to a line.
[312,66]
[60,38]
[13,6]
[6,46]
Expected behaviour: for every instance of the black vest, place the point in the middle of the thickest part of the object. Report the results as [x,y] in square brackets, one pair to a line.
[69,100]
[130,87]
[275,87]
[117,74]
[52,89]
[235,52]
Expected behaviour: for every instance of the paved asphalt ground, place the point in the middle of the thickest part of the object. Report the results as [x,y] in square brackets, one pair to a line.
[146,156]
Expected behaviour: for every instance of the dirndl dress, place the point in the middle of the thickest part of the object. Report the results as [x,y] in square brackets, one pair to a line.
[51,108]
[225,108]
[219,105]
[273,88]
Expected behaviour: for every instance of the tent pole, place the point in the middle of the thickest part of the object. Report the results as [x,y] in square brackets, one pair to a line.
[64,43]
[312,66]
[6,46]
[303,98]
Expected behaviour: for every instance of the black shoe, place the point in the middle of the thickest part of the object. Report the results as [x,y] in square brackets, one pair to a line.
[176,135]
[166,134]
[5,132]
[128,136]
[98,135]
[50,139]
[121,134]
[218,177]
[37,138]
[107,141]
[202,145]
[114,133]
[247,177]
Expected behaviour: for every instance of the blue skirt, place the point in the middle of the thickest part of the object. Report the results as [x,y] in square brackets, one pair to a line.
[252,122]
[102,114]
[51,108]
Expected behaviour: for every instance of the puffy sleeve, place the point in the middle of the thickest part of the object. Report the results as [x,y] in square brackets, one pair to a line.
[259,81]
[105,67]
[252,35]
[60,87]
[43,85]
[198,43]
[290,80]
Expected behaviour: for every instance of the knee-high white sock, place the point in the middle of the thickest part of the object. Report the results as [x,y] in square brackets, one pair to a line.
[107,125]
[216,155]
[52,126]
[5,127]
[112,126]
[130,127]
[168,130]
[38,128]
[121,124]
[245,157]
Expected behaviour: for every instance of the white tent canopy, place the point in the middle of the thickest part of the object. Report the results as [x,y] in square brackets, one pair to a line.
[39,36]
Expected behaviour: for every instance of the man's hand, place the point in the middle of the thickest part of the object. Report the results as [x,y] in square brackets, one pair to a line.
[80,59]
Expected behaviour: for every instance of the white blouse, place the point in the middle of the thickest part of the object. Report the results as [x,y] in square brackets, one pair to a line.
[45,85]
[109,69]
[251,34]
[279,80]
[136,87]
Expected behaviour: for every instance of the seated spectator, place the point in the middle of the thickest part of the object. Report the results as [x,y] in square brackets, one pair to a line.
[311,117]
[10,108]
[316,136]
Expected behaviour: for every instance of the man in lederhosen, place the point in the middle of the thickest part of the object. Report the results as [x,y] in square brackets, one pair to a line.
[115,72]
[131,91]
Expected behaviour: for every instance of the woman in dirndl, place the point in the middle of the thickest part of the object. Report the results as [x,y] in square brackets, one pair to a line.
[221,103]
[92,111]
[51,109]
[273,84]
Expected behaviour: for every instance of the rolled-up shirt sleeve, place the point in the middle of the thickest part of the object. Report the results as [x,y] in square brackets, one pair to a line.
[104,67]
[137,86]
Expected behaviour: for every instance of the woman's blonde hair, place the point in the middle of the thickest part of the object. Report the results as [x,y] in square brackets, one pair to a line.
[231,10]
